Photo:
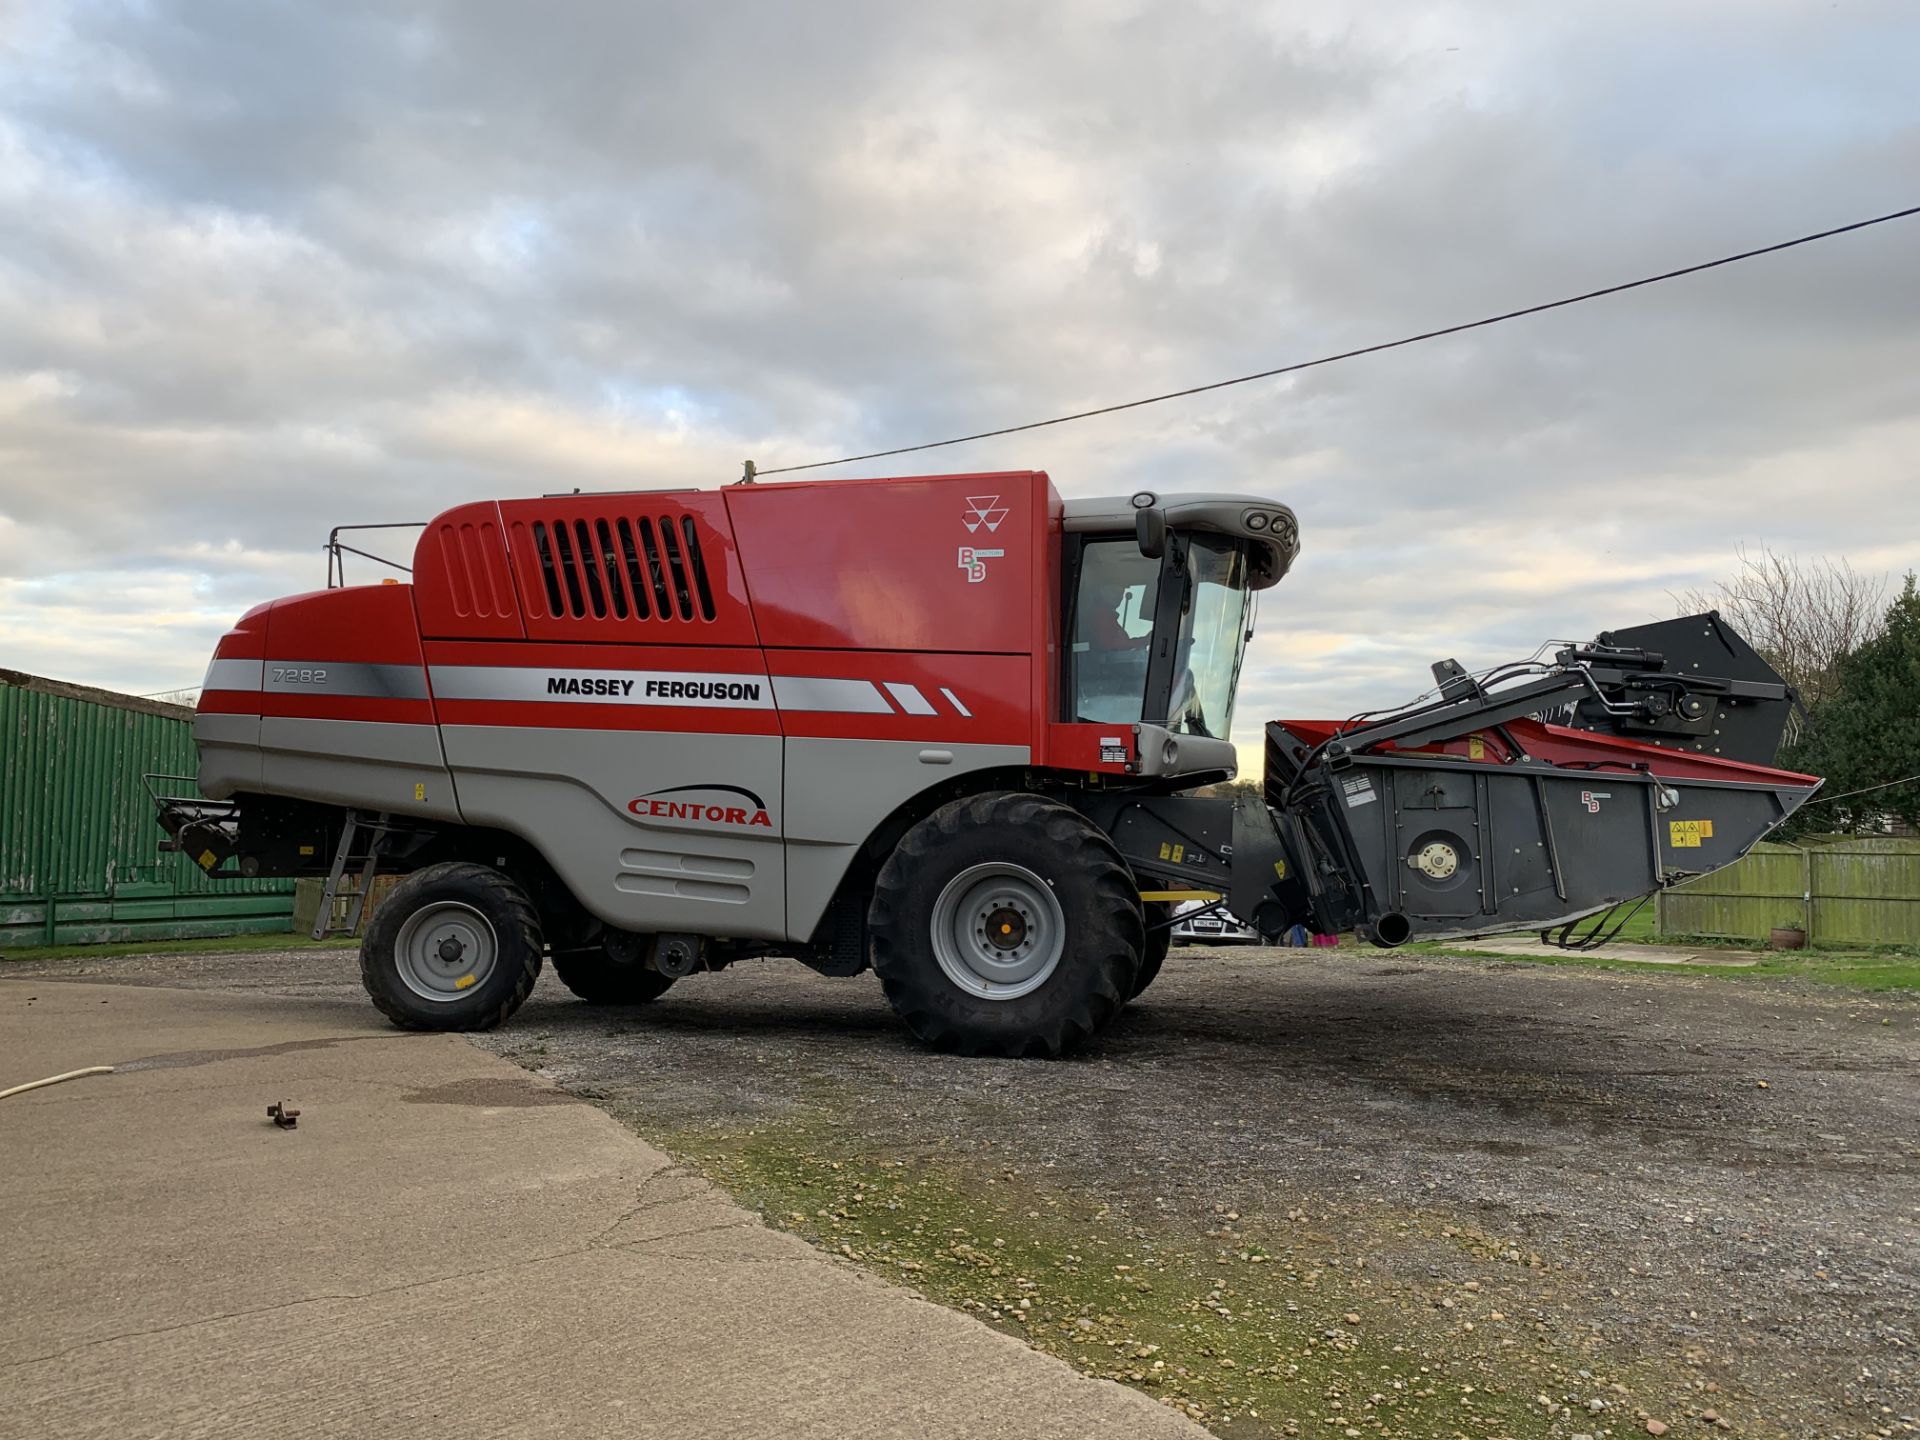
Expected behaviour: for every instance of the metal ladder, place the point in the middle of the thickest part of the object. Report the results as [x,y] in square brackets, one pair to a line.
[351,864]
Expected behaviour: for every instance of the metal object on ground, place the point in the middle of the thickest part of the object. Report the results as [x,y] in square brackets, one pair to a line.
[283,1115]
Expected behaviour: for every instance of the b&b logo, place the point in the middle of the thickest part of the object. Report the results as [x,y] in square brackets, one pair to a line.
[1592,798]
[974,562]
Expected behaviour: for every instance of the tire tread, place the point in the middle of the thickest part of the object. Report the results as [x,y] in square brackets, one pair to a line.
[523,942]
[911,978]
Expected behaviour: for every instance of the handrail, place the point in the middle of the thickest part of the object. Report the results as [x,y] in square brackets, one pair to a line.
[338,550]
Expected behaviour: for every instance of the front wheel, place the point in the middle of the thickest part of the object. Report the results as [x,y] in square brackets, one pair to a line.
[1159,917]
[456,946]
[1005,924]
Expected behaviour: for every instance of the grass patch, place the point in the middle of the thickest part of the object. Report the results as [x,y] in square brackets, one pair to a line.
[1255,1326]
[210,945]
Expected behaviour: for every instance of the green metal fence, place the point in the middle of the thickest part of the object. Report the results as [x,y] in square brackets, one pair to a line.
[1842,890]
[78,857]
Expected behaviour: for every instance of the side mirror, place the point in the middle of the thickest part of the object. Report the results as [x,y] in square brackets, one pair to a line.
[1150,529]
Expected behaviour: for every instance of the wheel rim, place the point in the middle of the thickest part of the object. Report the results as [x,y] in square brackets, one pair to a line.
[445,950]
[998,931]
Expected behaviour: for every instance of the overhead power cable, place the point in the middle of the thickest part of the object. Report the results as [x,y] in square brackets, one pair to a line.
[1362,350]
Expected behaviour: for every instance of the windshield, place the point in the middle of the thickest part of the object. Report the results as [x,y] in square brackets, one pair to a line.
[1113,631]
[1213,638]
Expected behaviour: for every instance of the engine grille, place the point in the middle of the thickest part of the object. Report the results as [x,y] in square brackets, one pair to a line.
[623,567]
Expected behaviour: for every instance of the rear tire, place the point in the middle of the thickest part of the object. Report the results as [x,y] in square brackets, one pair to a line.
[599,979]
[456,946]
[1005,924]
[1159,921]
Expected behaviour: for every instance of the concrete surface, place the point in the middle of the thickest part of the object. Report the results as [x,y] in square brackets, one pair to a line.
[445,1246]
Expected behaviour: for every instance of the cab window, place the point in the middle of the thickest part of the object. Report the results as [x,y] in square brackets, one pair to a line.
[1213,637]
[1112,642]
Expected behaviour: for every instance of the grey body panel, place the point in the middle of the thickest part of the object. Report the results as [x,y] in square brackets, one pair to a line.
[623,818]
[837,791]
[234,675]
[343,677]
[1166,755]
[371,764]
[230,758]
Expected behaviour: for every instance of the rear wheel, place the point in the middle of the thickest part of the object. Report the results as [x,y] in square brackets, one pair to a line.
[600,976]
[454,947]
[1159,918]
[1005,925]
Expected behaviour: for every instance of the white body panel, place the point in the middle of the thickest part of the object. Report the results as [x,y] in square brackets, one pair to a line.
[650,830]
[839,790]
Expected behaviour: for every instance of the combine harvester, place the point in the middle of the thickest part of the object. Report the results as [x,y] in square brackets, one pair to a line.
[939,727]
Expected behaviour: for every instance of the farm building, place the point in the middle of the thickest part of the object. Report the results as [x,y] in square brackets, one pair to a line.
[79,856]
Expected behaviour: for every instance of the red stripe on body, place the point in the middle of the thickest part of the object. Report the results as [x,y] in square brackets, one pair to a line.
[318,706]
[229,702]
[589,715]
[1578,749]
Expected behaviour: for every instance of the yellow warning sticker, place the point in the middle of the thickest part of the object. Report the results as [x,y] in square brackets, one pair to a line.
[1279,869]
[1476,748]
[419,792]
[306,849]
[1179,853]
[208,860]
[463,982]
[1166,851]
[1687,834]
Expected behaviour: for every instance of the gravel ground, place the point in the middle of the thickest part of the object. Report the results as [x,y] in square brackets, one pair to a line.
[1712,1181]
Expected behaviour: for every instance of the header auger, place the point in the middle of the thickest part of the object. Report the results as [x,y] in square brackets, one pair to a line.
[944,727]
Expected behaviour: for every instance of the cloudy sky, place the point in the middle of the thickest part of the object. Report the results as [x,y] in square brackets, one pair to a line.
[268,267]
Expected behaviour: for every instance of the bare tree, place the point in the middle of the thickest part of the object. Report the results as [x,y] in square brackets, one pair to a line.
[187,695]
[1802,615]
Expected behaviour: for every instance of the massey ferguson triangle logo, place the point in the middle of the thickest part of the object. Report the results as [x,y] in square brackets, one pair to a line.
[984,510]
[702,806]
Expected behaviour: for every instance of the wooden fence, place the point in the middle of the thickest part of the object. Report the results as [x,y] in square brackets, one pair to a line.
[1842,890]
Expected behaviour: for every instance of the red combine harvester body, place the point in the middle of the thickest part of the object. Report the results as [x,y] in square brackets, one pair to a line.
[940,726]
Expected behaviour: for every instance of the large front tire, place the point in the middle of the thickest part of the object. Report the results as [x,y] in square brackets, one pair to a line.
[1005,924]
[1159,919]
[456,946]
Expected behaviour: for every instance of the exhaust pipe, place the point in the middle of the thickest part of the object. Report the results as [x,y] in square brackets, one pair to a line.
[1389,930]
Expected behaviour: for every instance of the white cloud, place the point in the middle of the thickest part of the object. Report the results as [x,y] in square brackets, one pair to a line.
[264,270]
